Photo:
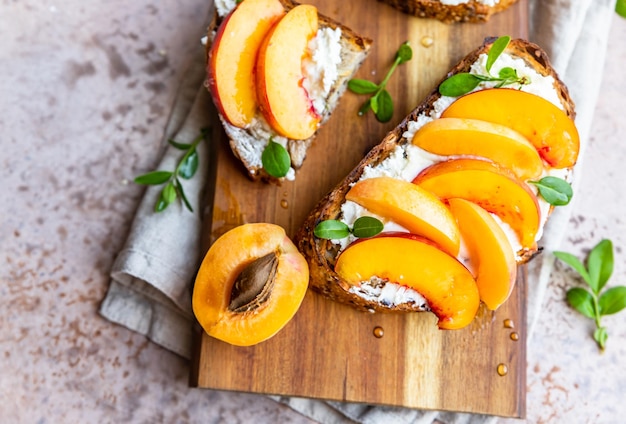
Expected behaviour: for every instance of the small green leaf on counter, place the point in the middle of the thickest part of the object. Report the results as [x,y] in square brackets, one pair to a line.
[186,169]
[363,227]
[154,178]
[620,8]
[366,226]
[464,82]
[555,191]
[275,159]
[331,229]
[380,102]
[593,303]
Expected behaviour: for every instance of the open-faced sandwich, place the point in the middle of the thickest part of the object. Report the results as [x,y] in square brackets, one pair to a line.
[461,189]
[276,71]
[450,11]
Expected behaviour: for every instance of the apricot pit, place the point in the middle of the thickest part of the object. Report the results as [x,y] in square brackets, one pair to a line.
[250,284]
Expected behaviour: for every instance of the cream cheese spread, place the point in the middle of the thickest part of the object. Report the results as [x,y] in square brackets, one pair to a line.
[406,161]
[320,71]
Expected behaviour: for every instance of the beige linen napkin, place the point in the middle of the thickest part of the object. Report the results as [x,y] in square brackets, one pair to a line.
[152,275]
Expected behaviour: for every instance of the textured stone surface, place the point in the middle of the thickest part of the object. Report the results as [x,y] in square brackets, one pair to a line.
[86,89]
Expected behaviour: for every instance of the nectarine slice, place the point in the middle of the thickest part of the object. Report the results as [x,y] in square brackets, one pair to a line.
[284,102]
[463,136]
[416,209]
[250,284]
[441,279]
[233,55]
[547,127]
[493,187]
[490,252]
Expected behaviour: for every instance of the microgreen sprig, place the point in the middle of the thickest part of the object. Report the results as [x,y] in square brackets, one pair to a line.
[275,159]
[381,102]
[556,191]
[464,82]
[185,169]
[363,227]
[620,8]
[594,304]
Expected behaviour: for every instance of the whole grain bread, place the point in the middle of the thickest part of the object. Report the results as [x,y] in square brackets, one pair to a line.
[472,11]
[321,254]
[247,143]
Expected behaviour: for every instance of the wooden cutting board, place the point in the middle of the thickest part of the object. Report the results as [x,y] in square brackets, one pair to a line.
[330,351]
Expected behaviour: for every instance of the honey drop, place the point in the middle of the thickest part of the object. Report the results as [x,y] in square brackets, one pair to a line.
[284,203]
[508,323]
[514,336]
[378,332]
[502,370]
[427,41]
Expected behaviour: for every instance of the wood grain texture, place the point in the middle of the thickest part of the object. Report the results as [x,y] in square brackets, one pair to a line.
[328,350]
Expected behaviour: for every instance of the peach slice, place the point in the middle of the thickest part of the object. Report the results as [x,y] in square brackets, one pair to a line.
[489,250]
[462,136]
[416,209]
[233,55]
[250,284]
[444,282]
[547,127]
[493,187]
[284,102]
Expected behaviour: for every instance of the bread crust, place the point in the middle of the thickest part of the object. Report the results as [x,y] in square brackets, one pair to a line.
[321,254]
[472,11]
[354,50]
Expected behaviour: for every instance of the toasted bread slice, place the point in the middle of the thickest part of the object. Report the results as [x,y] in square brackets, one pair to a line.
[469,11]
[248,143]
[322,254]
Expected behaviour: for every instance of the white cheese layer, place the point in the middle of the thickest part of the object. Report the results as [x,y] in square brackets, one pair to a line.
[320,72]
[406,161]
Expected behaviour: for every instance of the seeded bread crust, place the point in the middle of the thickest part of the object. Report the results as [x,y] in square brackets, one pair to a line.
[321,254]
[471,11]
[354,50]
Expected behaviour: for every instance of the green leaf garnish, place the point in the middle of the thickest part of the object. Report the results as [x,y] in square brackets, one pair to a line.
[620,8]
[555,191]
[331,229]
[179,146]
[385,107]
[275,159]
[153,178]
[496,50]
[594,304]
[366,226]
[380,102]
[459,84]
[462,83]
[581,300]
[186,168]
[361,86]
[189,165]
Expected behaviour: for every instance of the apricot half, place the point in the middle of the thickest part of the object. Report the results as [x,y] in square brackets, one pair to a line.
[233,55]
[462,136]
[547,127]
[250,284]
[493,187]
[284,102]
[490,252]
[416,209]
[441,279]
